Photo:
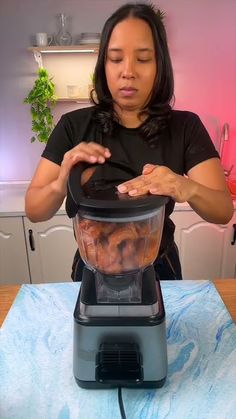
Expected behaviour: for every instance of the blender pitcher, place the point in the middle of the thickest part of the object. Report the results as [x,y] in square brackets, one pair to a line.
[118,236]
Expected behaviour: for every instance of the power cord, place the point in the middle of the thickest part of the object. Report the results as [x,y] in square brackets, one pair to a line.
[121,405]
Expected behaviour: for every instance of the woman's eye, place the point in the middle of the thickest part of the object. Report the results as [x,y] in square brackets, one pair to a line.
[115,60]
[144,60]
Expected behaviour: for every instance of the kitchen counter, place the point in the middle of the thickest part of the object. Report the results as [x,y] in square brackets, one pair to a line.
[36,357]
[12,200]
[225,287]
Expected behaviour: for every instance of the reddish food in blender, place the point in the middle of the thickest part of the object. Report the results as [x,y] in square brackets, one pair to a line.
[113,248]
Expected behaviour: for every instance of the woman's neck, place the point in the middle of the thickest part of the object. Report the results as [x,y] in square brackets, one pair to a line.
[130,119]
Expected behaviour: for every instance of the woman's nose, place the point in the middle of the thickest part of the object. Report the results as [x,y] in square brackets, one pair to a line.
[128,70]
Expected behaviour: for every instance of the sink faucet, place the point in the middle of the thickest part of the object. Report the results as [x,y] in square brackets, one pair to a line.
[228,171]
[224,137]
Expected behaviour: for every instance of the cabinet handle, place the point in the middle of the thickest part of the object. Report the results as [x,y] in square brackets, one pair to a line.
[31,240]
[234,235]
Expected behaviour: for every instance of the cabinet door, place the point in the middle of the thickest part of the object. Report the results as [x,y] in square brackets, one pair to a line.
[229,251]
[51,246]
[205,249]
[13,257]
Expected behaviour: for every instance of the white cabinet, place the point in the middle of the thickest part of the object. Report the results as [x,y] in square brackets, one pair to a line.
[206,250]
[36,252]
[51,247]
[13,256]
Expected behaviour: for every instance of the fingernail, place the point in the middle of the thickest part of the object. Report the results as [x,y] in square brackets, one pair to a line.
[133,192]
[121,188]
[92,159]
[101,159]
[146,168]
[107,153]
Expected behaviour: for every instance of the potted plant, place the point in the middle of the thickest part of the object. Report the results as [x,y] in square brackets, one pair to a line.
[42,98]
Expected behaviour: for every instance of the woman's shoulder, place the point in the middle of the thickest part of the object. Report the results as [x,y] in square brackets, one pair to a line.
[182,121]
[183,115]
[79,115]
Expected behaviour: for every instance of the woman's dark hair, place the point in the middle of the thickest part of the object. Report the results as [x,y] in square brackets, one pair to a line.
[158,107]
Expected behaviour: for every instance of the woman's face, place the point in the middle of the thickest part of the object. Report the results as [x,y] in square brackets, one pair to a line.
[131,64]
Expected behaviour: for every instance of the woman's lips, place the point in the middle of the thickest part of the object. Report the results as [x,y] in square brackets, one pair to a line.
[128,91]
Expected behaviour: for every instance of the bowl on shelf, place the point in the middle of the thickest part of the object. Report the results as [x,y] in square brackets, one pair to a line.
[89,38]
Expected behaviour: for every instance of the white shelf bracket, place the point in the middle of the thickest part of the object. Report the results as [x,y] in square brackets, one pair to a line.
[38,58]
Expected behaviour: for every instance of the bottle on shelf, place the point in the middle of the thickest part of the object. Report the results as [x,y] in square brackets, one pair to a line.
[63,37]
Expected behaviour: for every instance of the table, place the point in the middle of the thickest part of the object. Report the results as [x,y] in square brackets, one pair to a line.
[36,356]
[225,287]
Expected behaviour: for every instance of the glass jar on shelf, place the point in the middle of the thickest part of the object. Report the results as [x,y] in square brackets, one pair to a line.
[63,37]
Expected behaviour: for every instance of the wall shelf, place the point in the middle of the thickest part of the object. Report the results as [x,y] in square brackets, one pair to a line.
[58,49]
[76,99]
[68,65]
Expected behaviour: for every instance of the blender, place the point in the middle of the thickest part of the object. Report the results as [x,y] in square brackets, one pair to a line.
[119,317]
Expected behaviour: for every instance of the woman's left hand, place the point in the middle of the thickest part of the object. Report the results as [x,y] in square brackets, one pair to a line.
[159,180]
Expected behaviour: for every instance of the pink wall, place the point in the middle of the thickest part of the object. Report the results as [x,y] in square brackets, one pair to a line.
[202,39]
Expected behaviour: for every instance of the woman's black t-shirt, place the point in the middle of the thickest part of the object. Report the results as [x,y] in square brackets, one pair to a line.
[182,145]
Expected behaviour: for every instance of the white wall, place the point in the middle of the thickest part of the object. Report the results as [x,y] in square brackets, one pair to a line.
[202,39]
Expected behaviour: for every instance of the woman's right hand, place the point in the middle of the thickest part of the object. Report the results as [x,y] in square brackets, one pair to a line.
[84,152]
[48,187]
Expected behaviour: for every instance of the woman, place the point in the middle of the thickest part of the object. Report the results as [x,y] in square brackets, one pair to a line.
[133,120]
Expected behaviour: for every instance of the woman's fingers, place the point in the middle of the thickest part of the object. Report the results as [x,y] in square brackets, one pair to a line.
[87,152]
[148,168]
[92,152]
[95,149]
[156,180]
[137,186]
[141,184]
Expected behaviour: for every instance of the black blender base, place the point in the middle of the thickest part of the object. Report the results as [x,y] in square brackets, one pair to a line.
[95,385]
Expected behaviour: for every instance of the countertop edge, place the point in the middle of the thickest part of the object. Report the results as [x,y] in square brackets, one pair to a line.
[12,201]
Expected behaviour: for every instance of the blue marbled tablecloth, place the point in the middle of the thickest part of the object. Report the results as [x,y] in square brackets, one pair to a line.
[36,378]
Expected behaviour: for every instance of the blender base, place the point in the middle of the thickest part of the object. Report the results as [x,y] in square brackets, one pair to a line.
[94,385]
[123,347]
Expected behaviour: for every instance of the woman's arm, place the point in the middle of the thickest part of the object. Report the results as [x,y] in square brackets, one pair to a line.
[48,187]
[209,194]
[44,195]
[204,189]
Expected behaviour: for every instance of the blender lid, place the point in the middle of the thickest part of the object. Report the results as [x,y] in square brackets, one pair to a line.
[99,196]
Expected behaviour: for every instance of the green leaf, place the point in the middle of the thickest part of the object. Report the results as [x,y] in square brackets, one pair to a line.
[42,98]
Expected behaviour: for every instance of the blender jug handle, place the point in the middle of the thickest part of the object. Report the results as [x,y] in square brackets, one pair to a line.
[74,189]
[74,180]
